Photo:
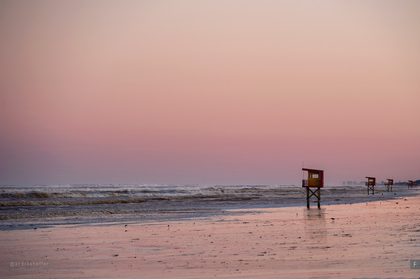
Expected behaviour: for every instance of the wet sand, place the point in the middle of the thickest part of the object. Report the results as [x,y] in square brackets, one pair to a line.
[365,240]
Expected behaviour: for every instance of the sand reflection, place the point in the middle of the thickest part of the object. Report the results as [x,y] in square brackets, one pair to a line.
[315,224]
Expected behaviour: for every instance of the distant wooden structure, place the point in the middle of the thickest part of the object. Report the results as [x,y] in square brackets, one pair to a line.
[410,184]
[389,184]
[371,184]
[315,180]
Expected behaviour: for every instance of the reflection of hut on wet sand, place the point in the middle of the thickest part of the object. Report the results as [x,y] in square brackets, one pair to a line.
[315,225]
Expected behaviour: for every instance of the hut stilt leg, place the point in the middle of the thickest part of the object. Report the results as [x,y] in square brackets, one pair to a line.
[319,198]
[307,197]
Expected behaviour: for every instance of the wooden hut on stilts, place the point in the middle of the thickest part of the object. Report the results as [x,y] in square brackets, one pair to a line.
[315,181]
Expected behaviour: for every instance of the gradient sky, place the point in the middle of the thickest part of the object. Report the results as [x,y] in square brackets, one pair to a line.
[208,92]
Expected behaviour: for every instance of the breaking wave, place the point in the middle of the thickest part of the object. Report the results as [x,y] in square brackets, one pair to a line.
[100,194]
[49,201]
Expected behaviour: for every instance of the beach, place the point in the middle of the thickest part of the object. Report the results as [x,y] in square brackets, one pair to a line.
[375,239]
[185,139]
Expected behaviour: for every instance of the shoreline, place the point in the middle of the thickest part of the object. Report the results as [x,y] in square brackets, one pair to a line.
[180,209]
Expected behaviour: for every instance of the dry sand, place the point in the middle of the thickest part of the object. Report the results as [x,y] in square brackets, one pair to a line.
[369,240]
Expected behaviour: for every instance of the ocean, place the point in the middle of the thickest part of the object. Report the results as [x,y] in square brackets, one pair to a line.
[45,205]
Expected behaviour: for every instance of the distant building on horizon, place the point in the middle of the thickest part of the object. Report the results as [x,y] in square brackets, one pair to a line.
[350,183]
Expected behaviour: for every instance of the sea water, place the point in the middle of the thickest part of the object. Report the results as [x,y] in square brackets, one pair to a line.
[86,203]
[100,201]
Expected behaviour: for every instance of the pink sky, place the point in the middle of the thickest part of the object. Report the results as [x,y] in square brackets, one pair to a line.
[208,92]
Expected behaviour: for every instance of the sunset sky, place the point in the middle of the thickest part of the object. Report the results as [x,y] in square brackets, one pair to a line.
[208,92]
